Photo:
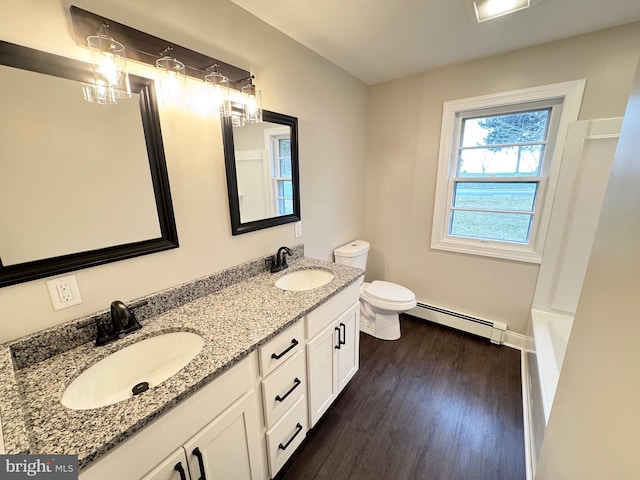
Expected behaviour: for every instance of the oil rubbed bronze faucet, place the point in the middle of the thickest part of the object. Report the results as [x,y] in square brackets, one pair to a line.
[279,261]
[123,322]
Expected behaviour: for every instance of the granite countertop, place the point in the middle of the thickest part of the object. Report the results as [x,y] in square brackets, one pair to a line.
[233,322]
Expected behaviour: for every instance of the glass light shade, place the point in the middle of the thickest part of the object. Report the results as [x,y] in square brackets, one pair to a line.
[237,119]
[220,92]
[252,104]
[109,65]
[99,93]
[488,9]
[172,80]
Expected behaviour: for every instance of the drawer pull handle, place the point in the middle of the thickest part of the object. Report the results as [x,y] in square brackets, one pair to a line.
[294,342]
[178,468]
[296,384]
[198,453]
[344,334]
[298,430]
[336,329]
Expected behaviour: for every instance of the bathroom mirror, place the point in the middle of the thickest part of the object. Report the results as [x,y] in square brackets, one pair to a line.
[81,184]
[262,172]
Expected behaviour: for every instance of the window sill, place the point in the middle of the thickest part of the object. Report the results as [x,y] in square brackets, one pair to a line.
[490,249]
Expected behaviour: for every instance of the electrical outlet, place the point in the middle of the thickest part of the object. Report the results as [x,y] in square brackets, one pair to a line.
[298,229]
[64,292]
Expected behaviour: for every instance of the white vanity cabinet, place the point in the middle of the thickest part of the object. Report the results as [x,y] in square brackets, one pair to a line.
[173,467]
[248,422]
[229,447]
[221,420]
[284,387]
[332,349]
[223,449]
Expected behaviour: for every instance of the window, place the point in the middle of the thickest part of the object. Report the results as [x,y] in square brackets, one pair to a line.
[499,161]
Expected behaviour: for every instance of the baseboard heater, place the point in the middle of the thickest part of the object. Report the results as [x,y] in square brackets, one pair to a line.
[494,331]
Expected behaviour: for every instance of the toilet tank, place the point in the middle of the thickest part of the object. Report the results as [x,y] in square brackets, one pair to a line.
[353,254]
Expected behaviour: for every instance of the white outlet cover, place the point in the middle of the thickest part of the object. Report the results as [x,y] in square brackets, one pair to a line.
[68,284]
[298,229]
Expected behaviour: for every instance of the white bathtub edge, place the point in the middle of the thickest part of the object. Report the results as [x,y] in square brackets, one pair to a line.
[549,358]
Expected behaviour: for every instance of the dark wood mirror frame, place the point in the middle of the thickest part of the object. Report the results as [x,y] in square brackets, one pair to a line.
[25,58]
[237,226]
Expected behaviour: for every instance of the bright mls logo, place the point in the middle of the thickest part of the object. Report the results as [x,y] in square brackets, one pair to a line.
[50,467]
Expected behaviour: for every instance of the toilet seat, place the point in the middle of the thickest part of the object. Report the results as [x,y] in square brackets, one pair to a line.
[388,296]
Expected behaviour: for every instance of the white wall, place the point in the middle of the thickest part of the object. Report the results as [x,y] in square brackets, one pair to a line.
[592,433]
[404,134]
[330,105]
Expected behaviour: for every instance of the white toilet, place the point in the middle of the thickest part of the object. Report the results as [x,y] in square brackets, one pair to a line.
[380,302]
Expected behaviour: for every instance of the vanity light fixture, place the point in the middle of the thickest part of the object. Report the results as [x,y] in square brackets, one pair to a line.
[489,9]
[252,102]
[219,91]
[242,96]
[172,78]
[109,65]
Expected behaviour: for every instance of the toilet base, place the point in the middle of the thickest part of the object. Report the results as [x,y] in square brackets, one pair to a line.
[382,326]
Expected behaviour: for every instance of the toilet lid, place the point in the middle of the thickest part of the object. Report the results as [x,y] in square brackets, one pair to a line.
[389,291]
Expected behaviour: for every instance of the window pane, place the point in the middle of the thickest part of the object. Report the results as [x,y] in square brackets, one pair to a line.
[509,227]
[495,196]
[520,127]
[285,167]
[285,206]
[501,162]
[284,144]
[285,188]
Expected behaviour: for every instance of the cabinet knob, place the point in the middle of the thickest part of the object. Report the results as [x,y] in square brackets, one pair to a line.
[180,469]
[198,453]
[298,430]
[296,383]
[278,356]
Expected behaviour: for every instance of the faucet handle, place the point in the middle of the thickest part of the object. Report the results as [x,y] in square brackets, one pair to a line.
[102,336]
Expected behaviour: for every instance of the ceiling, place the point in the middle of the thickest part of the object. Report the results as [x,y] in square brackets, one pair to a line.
[381,40]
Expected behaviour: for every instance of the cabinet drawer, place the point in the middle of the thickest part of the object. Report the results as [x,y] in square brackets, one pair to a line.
[284,387]
[281,348]
[318,319]
[287,435]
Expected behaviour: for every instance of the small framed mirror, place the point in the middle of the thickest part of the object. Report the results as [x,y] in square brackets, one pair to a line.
[262,172]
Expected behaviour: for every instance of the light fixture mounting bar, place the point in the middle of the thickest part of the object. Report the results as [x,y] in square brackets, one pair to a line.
[145,48]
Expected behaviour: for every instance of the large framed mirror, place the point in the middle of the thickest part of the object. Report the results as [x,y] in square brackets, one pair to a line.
[262,166]
[81,184]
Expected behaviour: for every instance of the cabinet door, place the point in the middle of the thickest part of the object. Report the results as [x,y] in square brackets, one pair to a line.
[349,351]
[230,447]
[322,371]
[172,468]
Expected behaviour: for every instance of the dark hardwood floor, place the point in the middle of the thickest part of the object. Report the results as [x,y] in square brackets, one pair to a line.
[435,405]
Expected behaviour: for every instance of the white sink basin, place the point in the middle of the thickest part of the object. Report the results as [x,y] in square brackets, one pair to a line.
[112,379]
[304,280]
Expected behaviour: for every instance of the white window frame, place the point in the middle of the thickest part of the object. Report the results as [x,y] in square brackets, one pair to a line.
[271,137]
[571,95]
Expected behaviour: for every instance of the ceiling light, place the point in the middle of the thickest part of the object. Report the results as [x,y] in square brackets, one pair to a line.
[488,9]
